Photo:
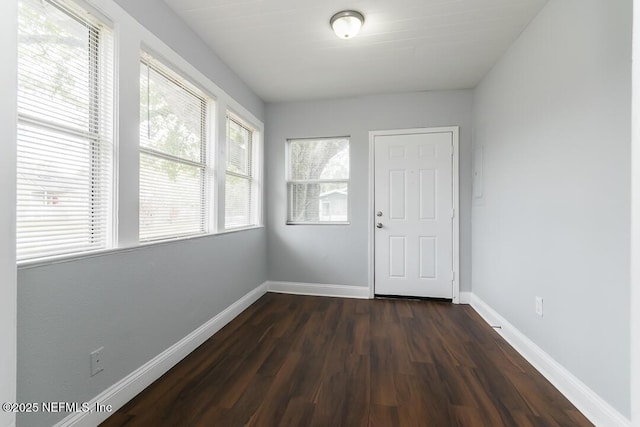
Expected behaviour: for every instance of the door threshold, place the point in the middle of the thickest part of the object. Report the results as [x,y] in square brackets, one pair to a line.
[413,298]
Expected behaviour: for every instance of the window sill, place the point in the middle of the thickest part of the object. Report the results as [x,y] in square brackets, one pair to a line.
[61,259]
[320,223]
[238,229]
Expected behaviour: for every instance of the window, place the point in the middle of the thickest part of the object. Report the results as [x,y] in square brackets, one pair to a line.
[318,181]
[174,175]
[240,183]
[65,131]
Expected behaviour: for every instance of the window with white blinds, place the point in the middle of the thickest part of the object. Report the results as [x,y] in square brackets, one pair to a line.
[240,184]
[65,131]
[174,188]
[318,181]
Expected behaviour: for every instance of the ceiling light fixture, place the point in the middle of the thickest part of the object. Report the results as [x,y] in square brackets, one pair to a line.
[347,24]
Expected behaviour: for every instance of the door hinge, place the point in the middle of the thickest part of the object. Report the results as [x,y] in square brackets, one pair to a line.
[453,276]
[453,213]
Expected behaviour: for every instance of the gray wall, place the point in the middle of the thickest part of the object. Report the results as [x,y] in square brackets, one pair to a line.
[554,119]
[8,57]
[137,302]
[337,254]
[635,221]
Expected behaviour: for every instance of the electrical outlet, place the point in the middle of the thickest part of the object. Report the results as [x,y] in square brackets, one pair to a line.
[96,361]
[539,306]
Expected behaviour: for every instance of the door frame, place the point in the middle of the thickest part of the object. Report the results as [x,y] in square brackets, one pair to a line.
[455,131]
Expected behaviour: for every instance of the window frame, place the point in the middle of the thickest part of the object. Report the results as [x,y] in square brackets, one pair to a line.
[206,164]
[100,114]
[124,122]
[289,181]
[254,176]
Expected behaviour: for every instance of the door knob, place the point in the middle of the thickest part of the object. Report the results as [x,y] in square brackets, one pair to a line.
[379,213]
[379,225]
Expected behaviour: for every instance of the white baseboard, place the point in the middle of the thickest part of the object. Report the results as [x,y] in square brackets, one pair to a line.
[586,400]
[317,289]
[126,389]
[465,298]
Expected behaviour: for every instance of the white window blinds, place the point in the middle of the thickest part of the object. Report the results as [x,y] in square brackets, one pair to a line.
[318,181]
[173,154]
[240,192]
[65,131]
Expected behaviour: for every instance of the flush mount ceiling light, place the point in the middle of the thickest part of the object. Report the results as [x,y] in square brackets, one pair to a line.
[347,24]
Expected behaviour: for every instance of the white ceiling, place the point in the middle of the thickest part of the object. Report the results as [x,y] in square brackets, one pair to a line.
[285,49]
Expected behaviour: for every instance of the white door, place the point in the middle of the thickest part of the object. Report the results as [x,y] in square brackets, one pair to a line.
[414,214]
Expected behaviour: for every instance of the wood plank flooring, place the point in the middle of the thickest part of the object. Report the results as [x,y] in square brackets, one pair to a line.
[293,360]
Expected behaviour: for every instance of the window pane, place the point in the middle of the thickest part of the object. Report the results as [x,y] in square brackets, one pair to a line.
[65,131]
[240,185]
[173,138]
[237,202]
[54,53]
[171,198]
[322,202]
[58,209]
[319,159]
[238,148]
[172,119]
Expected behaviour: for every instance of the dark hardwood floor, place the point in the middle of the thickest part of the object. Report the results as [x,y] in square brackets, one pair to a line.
[312,361]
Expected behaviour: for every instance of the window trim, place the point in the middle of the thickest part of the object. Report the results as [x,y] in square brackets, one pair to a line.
[289,181]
